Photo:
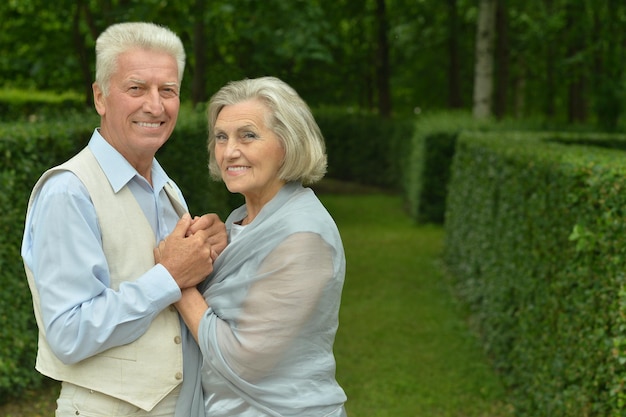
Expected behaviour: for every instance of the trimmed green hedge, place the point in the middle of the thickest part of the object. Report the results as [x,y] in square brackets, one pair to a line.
[535,241]
[366,149]
[21,105]
[26,150]
[430,155]
[535,236]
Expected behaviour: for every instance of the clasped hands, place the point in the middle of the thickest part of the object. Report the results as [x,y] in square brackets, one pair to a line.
[189,251]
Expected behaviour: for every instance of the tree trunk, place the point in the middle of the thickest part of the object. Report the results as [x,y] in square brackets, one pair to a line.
[483,77]
[550,90]
[608,68]
[549,107]
[502,60]
[383,72]
[520,92]
[455,100]
[198,82]
[577,101]
[78,40]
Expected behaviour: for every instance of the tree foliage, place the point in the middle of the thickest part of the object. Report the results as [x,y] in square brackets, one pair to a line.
[561,60]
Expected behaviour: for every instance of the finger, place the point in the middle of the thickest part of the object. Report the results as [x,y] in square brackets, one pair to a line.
[158,255]
[191,230]
[205,222]
[182,226]
[202,235]
[218,238]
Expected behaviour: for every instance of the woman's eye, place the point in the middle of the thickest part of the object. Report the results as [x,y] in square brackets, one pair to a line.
[249,135]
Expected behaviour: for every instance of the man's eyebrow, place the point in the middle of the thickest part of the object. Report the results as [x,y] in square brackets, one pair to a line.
[138,81]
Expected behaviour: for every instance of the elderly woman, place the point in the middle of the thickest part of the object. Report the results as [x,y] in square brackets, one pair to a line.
[267,316]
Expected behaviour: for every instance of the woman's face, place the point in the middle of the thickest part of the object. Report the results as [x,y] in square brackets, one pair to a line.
[248,153]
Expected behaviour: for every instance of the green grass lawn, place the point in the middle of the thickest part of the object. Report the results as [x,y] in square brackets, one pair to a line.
[403,347]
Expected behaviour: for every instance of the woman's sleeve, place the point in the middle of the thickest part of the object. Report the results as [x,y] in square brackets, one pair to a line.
[285,293]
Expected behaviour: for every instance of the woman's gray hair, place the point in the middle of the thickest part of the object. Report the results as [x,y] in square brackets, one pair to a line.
[289,118]
[121,37]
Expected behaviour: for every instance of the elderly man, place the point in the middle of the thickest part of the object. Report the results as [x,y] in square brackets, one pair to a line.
[107,328]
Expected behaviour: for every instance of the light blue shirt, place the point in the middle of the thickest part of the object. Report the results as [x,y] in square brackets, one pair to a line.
[62,245]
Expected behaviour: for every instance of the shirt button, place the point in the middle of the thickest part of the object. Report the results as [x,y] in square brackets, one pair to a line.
[178,376]
[177,340]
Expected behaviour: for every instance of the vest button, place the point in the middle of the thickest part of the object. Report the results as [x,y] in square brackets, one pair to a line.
[177,340]
[178,376]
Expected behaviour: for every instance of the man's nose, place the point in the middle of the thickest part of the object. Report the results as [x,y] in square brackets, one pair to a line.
[153,103]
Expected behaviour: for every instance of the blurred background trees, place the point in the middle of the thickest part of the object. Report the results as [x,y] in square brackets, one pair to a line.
[558,60]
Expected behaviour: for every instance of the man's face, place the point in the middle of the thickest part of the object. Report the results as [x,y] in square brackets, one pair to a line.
[140,112]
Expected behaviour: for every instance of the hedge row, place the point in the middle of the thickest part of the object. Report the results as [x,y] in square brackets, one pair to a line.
[366,149]
[432,147]
[26,150]
[37,105]
[535,241]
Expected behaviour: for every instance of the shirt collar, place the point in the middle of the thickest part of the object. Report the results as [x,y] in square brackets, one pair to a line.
[117,169]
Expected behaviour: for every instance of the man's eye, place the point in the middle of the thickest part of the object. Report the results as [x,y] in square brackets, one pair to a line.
[169,92]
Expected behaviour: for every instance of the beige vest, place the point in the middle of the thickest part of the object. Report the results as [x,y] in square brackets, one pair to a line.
[142,372]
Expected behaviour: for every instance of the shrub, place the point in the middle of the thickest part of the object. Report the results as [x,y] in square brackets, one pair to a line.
[535,240]
[22,105]
[26,150]
[430,156]
[365,148]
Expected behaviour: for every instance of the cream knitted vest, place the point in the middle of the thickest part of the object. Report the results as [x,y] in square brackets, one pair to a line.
[142,372]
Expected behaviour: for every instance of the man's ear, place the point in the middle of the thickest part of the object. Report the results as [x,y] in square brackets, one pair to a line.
[98,99]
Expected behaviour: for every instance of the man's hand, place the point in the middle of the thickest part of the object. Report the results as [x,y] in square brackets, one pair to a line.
[216,229]
[187,257]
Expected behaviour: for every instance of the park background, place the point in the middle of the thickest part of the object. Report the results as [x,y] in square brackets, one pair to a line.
[499,121]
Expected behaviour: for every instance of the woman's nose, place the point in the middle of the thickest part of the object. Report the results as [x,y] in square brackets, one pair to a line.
[232,149]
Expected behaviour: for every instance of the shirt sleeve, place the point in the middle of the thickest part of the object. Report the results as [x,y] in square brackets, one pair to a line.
[62,246]
[276,309]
